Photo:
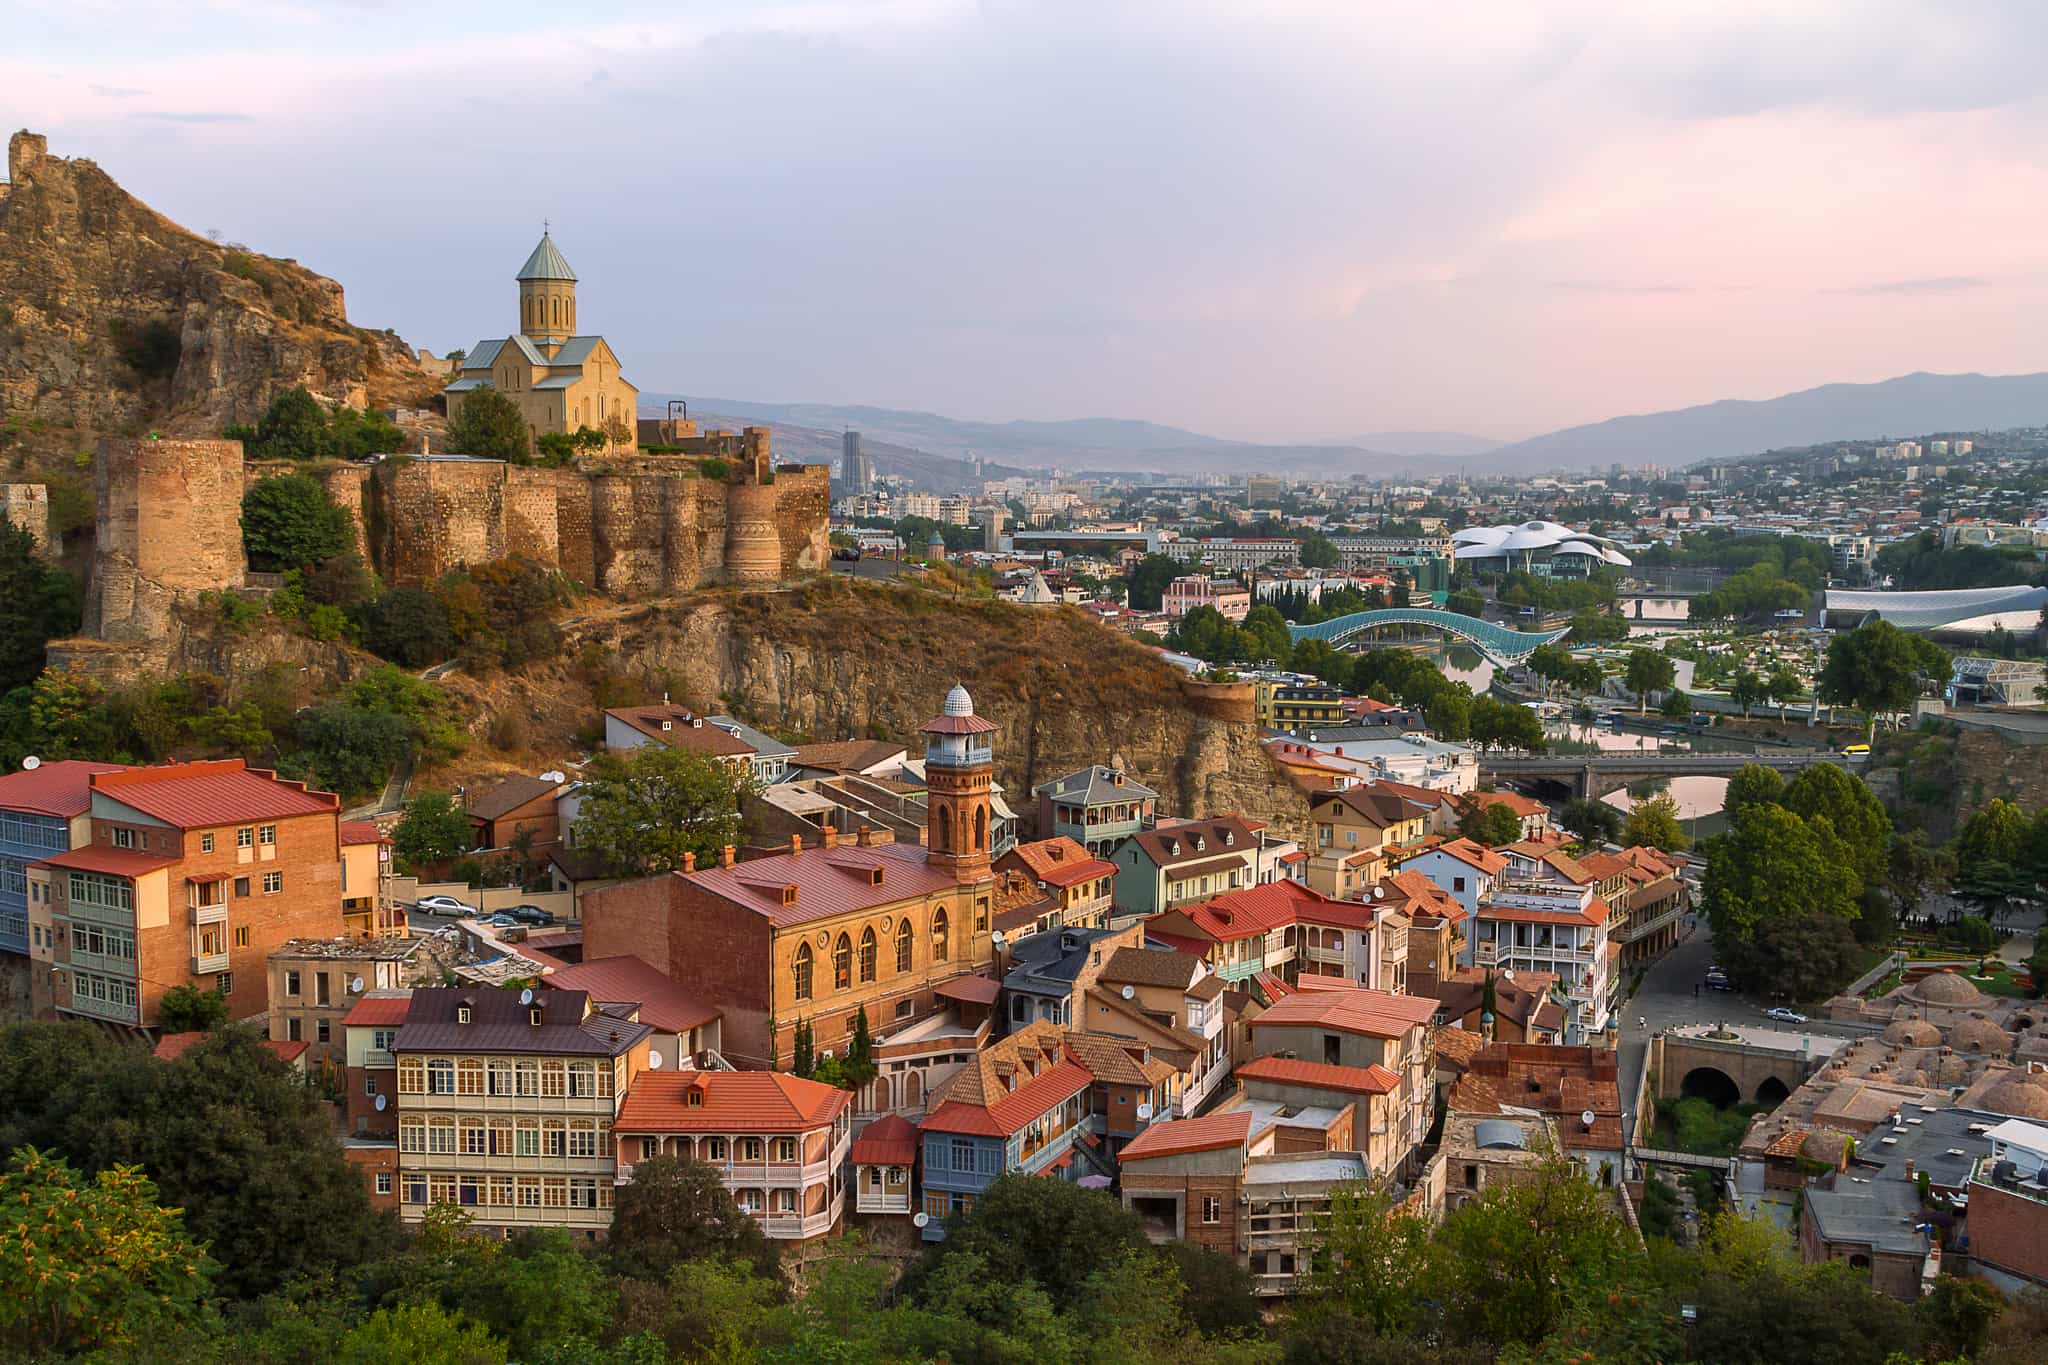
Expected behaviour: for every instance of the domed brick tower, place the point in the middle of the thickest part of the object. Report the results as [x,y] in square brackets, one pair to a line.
[959,759]
[547,295]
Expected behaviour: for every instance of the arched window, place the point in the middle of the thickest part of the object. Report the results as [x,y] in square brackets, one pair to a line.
[469,1076]
[842,963]
[981,829]
[441,1076]
[867,954]
[941,949]
[800,971]
[903,942]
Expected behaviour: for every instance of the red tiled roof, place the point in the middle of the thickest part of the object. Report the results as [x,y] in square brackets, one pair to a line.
[624,979]
[1420,896]
[1012,1112]
[1349,1009]
[362,832]
[1275,987]
[1059,861]
[290,1049]
[888,1141]
[1553,857]
[1595,913]
[172,1046]
[1522,806]
[54,788]
[1352,1080]
[1211,1133]
[973,990]
[378,1011]
[1475,854]
[828,881]
[1258,909]
[118,862]
[728,1102]
[218,792]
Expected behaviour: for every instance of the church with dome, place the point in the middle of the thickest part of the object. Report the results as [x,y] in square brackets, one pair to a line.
[560,380]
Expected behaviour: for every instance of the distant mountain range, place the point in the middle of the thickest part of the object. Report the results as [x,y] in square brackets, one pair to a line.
[937,450]
[1911,405]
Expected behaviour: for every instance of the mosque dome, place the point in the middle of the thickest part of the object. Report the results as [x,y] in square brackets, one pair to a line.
[958,703]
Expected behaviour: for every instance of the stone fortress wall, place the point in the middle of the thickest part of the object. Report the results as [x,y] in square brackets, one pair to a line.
[632,527]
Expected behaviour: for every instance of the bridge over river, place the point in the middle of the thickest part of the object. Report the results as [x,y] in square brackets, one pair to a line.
[1595,775]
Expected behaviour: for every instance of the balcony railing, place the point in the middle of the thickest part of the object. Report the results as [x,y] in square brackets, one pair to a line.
[205,963]
[217,913]
[98,1009]
[882,1203]
[791,1226]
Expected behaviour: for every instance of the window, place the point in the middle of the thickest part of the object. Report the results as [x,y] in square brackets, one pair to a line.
[273,882]
[124,838]
[225,983]
[714,1149]
[475,1141]
[1212,1209]
[412,1076]
[382,1038]
[800,971]
[553,1080]
[320,1029]
[782,1201]
[981,904]
[529,1192]
[785,1149]
[582,1138]
[291,1029]
[500,1079]
[528,1136]
[1457,883]
[555,1194]
[501,1190]
[415,1189]
[440,1076]
[842,963]
[867,954]
[469,1077]
[383,1182]
[501,1135]
[529,1078]
[242,936]
[552,1132]
[206,843]
[441,1135]
[750,1149]
[241,886]
[582,1193]
[941,950]
[905,1008]
[582,1080]
[369,1082]
[266,835]
[903,942]
[320,992]
[245,837]
[412,1135]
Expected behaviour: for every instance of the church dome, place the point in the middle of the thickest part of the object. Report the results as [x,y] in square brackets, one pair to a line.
[2021,1096]
[1946,988]
[958,703]
[546,263]
[1913,1033]
[1979,1035]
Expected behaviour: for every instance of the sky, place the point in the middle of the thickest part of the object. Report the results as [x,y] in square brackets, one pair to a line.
[1274,221]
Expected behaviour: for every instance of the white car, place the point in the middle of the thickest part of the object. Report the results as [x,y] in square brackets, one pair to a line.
[1785,1016]
[443,905]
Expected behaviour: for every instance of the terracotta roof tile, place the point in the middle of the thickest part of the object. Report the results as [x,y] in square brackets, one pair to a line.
[218,792]
[728,1102]
[1350,1009]
[1351,1080]
[1059,861]
[1149,967]
[828,881]
[1212,1133]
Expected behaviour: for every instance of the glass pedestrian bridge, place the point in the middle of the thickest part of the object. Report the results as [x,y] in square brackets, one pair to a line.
[1503,644]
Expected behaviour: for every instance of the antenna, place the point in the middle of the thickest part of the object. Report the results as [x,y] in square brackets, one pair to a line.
[355,987]
[31,763]
[526,996]
[1129,991]
[382,1100]
[654,1060]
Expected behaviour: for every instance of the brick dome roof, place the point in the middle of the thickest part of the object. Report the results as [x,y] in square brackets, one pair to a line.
[1946,988]
[2022,1096]
[1979,1035]
[1912,1033]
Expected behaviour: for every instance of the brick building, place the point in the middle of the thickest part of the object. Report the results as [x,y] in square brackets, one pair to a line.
[43,810]
[315,983]
[516,806]
[195,874]
[820,934]
[1346,1027]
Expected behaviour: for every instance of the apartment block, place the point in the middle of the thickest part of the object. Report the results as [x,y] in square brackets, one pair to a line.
[315,983]
[43,810]
[194,874]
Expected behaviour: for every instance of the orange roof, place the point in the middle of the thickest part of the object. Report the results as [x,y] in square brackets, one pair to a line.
[172,1046]
[1475,854]
[1352,1080]
[378,1011]
[117,862]
[1537,851]
[1211,1133]
[217,792]
[1351,1009]
[728,1102]
[362,832]
[1013,1111]
[888,1141]
[1523,806]
[1059,861]
[1418,895]
[1259,909]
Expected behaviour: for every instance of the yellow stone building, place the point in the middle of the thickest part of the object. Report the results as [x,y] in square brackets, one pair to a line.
[559,380]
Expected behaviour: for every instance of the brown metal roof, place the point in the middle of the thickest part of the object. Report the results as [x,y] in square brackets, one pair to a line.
[827,881]
[218,792]
[662,1002]
[1173,845]
[508,796]
[499,1023]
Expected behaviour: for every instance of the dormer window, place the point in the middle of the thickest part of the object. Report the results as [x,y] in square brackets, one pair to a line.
[533,1016]
[789,893]
[462,1014]
[668,725]
[696,1099]
[874,876]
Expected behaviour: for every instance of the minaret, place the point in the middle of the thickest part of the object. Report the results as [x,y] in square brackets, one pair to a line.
[547,295]
[959,755]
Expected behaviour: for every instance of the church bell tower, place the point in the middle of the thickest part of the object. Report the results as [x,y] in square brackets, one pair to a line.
[959,758]
[547,295]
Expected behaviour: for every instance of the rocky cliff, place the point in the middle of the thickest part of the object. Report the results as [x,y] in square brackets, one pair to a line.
[114,319]
[835,658]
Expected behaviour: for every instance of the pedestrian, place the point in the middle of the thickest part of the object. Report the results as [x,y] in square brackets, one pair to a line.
[1643,1021]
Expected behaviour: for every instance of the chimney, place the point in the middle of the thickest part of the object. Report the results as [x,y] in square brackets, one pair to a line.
[864,837]
[689,861]
[725,856]
[796,843]
[831,839]
[1909,1170]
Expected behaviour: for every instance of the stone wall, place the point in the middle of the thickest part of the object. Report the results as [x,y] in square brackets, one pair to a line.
[28,507]
[169,528]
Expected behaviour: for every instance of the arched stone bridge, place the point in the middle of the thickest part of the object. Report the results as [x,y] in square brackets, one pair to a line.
[1598,774]
[1732,1071]
[1503,644]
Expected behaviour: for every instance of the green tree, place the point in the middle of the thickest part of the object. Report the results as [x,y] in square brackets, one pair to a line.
[1317,552]
[644,810]
[289,522]
[1878,669]
[293,427]
[433,830]
[93,1264]
[1266,637]
[1050,1233]
[1653,823]
[1796,957]
[1995,833]
[1598,628]
[67,716]
[1769,864]
[712,1309]
[1648,670]
[408,626]
[1914,869]
[1747,689]
[1149,577]
[1754,784]
[37,604]
[488,424]
[673,1211]
[1676,705]
[187,1009]
[1466,602]
[1782,686]
[1858,817]
[1377,1263]
[1591,821]
[419,1334]
[349,749]
[1489,822]
[1958,1315]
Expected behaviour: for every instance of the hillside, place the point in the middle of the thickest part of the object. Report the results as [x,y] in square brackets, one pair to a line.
[1910,405]
[115,320]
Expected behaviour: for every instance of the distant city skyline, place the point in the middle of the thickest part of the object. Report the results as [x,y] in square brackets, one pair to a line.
[1295,224]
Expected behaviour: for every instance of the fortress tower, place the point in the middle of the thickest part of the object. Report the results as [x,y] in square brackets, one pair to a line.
[959,758]
[547,295]
[169,529]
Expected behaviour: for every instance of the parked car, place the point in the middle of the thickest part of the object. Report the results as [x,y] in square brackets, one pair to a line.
[1785,1016]
[1717,981]
[501,920]
[530,915]
[443,905]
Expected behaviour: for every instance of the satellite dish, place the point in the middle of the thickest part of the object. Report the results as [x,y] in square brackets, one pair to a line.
[356,986]
[554,775]
[1587,1118]
[381,1102]
[996,938]
[920,1218]
[654,1060]
[526,996]
[1144,1112]
[1129,991]
[1379,893]
[31,763]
